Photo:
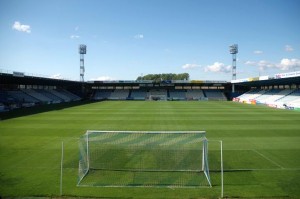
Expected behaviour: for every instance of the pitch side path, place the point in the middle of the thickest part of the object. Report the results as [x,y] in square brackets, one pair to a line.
[261,147]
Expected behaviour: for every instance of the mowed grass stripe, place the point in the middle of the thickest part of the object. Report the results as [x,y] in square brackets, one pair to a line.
[273,132]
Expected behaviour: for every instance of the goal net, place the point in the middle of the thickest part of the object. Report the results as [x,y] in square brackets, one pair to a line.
[144,159]
[157,97]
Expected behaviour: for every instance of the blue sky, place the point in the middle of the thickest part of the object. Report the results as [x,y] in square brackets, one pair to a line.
[127,38]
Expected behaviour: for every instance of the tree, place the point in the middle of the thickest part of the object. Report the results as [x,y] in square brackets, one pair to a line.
[165,76]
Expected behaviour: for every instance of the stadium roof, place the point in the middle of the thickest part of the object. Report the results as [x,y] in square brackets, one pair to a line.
[271,82]
[20,79]
[32,80]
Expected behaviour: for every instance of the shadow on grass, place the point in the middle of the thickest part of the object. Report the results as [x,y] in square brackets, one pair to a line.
[40,109]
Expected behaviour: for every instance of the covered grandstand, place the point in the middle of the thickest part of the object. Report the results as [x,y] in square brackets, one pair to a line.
[19,90]
[280,91]
[173,90]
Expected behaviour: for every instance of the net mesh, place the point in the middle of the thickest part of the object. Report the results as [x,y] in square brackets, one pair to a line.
[144,159]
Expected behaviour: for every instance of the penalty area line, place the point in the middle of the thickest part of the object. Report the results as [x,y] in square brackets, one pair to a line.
[253,169]
[272,161]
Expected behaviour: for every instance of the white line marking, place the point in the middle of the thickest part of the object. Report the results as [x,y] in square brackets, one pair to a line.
[272,161]
[277,169]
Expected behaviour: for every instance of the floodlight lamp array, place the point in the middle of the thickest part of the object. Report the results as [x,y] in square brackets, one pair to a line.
[233,49]
[82,49]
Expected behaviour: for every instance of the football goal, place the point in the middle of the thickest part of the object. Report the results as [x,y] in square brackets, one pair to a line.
[158,97]
[144,159]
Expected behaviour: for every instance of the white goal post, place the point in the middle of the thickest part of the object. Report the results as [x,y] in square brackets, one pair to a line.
[144,159]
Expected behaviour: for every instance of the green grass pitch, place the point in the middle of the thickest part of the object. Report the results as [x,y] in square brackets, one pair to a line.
[261,147]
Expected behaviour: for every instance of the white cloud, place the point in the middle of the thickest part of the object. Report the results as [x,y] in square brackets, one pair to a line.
[21,27]
[285,64]
[56,76]
[262,64]
[258,52]
[190,66]
[288,48]
[102,78]
[250,63]
[74,36]
[76,28]
[288,64]
[265,64]
[139,36]
[218,67]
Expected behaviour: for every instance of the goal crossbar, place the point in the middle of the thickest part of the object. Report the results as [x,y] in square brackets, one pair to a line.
[149,132]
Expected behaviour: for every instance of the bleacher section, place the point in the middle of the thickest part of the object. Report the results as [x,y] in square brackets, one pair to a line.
[119,95]
[60,95]
[158,94]
[296,102]
[54,99]
[274,95]
[6,98]
[32,97]
[279,98]
[37,95]
[251,95]
[138,95]
[215,95]
[102,94]
[70,95]
[268,94]
[177,94]
[292,98]
[195,95]
[20,96]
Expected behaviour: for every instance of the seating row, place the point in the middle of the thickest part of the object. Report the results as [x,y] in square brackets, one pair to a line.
[31,97]
[274,97]
[170,94]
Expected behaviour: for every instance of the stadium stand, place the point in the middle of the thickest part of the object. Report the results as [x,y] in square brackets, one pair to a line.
[267,94]
[138,95]
[37,95]
[20,96]
[281,91]
[157,94]
[277,98]
[215,95]
[102,94]
[30,97]
[2,108]
[252,94]
[60,95]
[6,98]
[54,99]
[291,98]
[294,103]
[275,95]
[70,95]
[177,94]
[119,95]
[195,95]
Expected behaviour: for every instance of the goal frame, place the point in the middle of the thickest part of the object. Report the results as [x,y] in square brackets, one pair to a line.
[204,166]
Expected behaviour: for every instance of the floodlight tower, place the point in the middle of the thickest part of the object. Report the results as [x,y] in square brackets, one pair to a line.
[82,52]
[233,49]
